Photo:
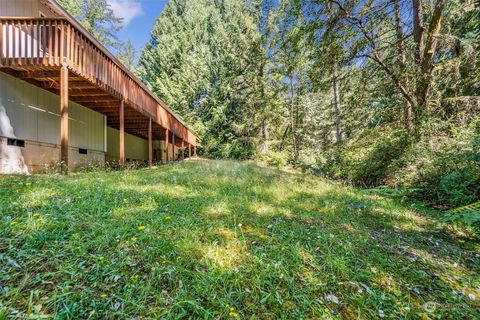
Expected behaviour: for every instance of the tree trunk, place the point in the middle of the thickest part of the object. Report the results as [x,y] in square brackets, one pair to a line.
[399,32]
[292,119]
[298,111]
[418,30]
[426,63]
[265,145]
[407,107]
[336,98]
[264,128]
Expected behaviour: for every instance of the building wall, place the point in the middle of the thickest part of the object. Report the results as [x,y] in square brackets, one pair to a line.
[43,157]
[32,114]
[159,153]
[23,8]
[136,149]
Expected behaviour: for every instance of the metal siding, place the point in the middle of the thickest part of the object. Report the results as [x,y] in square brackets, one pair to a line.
[85,127]
[34,115]
[48,119]
[135,148]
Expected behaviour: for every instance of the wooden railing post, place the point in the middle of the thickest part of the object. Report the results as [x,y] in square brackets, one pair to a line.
[150,151]
[122,135]
[64,118]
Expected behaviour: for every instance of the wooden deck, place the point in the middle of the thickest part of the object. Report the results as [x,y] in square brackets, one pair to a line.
[36,50]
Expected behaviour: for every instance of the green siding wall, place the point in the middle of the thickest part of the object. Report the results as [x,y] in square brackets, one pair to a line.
[34,114]
[135,148]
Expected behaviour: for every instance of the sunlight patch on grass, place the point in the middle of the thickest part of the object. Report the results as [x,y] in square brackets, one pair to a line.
[217,210]
[229,257]
[160,188]
[37,197]
[130,212]
[262,208]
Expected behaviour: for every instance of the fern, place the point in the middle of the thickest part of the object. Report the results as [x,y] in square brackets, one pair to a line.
[469,215]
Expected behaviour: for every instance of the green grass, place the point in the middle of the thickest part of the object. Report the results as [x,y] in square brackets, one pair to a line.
[224,240]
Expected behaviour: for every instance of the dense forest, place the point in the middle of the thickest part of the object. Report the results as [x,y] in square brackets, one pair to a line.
[374,93]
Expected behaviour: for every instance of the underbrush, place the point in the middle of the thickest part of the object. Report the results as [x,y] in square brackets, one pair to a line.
[441,169]
[364,161]
[276,159]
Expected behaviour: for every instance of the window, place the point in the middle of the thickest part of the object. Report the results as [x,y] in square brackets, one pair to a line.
[82,151]
[16,142]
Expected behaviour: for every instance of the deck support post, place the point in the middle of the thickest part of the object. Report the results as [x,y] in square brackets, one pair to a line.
[122,135]
[173,146]
[183,150]
[189,151]
[166,145]
[64,118]
[150,151]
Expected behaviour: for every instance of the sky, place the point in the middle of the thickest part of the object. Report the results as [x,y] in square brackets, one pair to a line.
[138,19]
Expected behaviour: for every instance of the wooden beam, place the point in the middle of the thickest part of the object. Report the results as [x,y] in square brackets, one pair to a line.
[129,118]
[53,84]
[99,95]
[38,74]
[150,151]
[97,100]
[104,104]
[122,135]
[87,92]
[64,118]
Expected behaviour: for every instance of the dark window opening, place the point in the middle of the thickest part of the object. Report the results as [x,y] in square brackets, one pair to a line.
[82,151]
[16,142]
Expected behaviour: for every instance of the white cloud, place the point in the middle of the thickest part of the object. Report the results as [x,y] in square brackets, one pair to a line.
[126,9]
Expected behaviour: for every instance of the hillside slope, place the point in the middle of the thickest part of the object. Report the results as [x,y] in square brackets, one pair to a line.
[224,239]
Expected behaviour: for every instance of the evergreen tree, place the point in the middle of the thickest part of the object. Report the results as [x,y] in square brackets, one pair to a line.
[203,60]
[98,18]
[126,55]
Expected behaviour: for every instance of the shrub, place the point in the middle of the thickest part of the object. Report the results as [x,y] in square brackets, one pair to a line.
[274,158]
[468,215]
[366,160]
[444,170]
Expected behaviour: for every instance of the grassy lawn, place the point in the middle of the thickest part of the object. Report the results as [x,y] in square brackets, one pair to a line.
[224,240]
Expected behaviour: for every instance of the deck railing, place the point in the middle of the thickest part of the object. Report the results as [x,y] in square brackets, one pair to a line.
[50,42]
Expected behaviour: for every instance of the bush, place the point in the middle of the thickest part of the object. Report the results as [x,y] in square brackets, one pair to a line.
[366,160]
[468,215]
[444,170]
[274,158]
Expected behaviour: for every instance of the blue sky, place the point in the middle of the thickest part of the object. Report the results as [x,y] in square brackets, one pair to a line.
[139,17]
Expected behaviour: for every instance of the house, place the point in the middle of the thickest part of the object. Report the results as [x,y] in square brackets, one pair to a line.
[66,101]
